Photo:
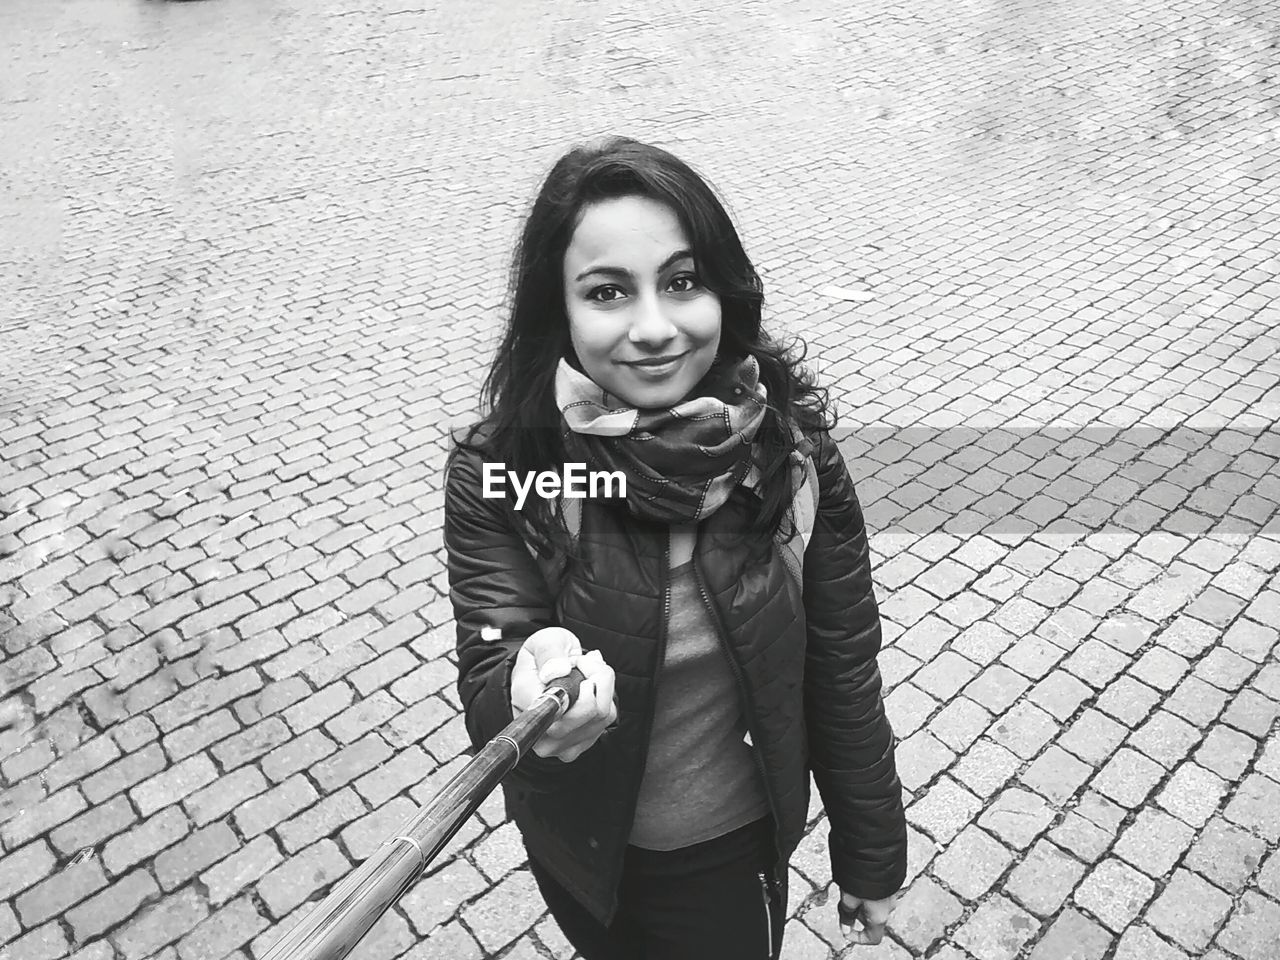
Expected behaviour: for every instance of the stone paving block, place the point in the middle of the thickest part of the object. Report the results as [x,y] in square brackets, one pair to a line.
[1128,701]
[996,688]
[1060,694]
[1126,631]
[1056,775]
[146,839]
[160,924]
[1073,936]
[983,642]
[945,674]
[1196,701]
[1226,752]
[1189,911]
[923,914]
[944,810]
[293,881]
[1033,657]
[94,825]
[325,818]
[193,854]
[54,894]
[1128,778]
[270,808]
[1141,943]
[960,723]
[1226,854]
[1165,738]
[926,639]
[319,707]
[1115,893]
[1161,669]
[1017,816]
[47,942]
[553,940]
[449,740]
[1154,842]
[48,813]
[1252,713]
[245,866]
[225,794]
[1096,663]
[985,767]
[500,852]
[407,768]
[1251,640]
[251,743]
[299,753]
[1044,879]
[1188,636]
[450,940]
[1254,807]
[351,761]
[908,708]
[505,912]
[998,929]
[1024,730]
[972,862]
[223,931]
[1225,670]
[111,905]
[920,758]
[1082,837]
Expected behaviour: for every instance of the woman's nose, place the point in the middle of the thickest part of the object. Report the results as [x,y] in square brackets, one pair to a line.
[650,324]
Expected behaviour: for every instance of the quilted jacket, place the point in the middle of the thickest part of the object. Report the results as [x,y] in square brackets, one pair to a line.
[805,663]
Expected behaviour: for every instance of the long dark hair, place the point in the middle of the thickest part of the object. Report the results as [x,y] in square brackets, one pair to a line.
[522,425]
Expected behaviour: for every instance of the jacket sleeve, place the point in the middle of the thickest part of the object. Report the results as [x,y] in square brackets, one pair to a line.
[851,745]
[499,599]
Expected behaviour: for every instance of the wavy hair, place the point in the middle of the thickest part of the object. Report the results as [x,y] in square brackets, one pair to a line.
[521,425]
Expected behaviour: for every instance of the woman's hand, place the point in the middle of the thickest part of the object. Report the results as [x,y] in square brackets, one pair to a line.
[873,915]
[550,653]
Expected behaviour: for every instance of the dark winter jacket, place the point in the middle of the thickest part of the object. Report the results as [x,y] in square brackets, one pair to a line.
[806,671]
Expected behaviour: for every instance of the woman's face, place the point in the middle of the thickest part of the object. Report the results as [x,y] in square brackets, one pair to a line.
[643,325]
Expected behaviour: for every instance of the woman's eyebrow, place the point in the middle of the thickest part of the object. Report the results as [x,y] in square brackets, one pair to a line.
[624,274]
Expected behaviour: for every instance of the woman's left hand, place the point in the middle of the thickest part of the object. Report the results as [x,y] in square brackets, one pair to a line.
[873,915]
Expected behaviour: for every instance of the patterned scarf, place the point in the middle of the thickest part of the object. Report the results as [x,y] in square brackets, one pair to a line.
[681,463]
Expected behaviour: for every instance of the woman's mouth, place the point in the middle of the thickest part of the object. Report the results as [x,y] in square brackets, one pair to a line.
[656,367]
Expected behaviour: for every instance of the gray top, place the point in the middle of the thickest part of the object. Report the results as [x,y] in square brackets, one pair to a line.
[700,780]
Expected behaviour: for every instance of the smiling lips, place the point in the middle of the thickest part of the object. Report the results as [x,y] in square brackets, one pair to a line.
[655,363]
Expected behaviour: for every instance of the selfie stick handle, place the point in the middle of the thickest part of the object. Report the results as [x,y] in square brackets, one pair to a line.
[332,930]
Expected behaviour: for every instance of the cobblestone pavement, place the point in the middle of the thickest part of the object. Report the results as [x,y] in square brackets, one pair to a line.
[256,251]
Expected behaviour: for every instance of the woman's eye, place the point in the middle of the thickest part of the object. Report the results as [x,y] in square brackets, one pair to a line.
[684,283]
[605,294]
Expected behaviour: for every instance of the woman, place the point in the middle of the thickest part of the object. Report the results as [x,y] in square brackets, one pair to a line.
[660,812]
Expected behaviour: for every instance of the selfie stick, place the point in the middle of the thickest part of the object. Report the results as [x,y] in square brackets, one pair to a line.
[332,930]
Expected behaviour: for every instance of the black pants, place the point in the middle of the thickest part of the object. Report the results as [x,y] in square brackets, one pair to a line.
[715,900]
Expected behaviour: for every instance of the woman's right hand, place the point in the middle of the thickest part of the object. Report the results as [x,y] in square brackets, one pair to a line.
[550,653]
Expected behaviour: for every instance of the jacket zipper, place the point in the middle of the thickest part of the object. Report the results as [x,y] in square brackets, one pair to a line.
[768,917]
[743,698]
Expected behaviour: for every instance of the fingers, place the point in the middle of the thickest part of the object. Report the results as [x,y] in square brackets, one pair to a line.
[864,921]
[547,654]
[870,935]
[552,653]
[602,679]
